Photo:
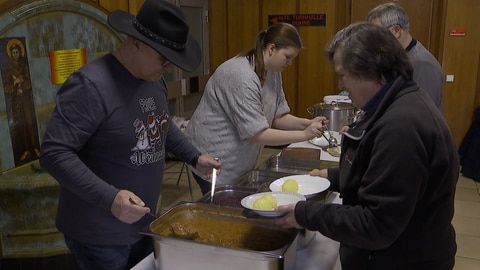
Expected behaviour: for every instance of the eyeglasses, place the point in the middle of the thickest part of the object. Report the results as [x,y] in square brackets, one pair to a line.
[393,25]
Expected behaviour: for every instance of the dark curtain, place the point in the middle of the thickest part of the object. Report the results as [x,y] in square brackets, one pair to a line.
[470,150]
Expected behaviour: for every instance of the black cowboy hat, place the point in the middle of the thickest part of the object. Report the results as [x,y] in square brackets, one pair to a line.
[162,26]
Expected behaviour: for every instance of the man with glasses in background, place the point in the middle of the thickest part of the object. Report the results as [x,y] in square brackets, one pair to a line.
[428,73]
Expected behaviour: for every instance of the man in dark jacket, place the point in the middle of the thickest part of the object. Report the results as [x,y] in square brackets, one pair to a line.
[398,168]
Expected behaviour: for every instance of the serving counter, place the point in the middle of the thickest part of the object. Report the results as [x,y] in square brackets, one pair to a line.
[325,156]
[313,250]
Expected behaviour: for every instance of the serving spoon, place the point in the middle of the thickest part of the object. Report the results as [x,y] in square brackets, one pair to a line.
[332,141]
[178,232]
[214,181]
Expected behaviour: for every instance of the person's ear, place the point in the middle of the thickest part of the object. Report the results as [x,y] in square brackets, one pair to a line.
[271,49]
[136,44]
[396,31]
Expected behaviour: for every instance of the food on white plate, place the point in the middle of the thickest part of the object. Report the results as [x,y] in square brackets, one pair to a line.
[308,185]
[290,185]
[271,201]
[266,202]
[334,151]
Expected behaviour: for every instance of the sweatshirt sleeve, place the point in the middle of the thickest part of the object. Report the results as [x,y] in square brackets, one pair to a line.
[178,144]
[77,115]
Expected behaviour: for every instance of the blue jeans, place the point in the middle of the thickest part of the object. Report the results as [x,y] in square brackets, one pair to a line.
[105,257]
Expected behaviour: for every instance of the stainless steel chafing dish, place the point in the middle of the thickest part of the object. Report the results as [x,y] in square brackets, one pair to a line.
[257,179]
[247,184]
[290,166]
[229,195]
[276,250]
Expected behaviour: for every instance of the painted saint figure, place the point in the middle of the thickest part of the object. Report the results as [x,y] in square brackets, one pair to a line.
[20,105]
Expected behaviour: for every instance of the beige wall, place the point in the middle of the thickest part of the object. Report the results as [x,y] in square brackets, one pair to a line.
[234,25]
[461,57]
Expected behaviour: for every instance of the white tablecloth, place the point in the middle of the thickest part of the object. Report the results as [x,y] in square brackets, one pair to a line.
[146,264]
[322,252]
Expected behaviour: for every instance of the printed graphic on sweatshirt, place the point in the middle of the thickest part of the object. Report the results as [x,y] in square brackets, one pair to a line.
[151,134]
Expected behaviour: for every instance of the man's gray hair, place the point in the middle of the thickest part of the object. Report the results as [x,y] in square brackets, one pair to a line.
[389,14]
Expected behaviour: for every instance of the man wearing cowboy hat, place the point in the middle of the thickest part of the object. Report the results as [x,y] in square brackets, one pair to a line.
[91,145]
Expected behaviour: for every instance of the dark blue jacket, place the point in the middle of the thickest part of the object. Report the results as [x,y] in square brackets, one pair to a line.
[397,178]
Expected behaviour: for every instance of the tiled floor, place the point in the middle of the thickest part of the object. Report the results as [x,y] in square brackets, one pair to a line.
[467,224]
[466,220]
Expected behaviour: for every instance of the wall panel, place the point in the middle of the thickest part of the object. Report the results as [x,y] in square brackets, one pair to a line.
[243,22]
[311,76]
[113,5]
[461,56]
[290,74]
[218,32]
[420,15]
[316,77]
[234,25]
[134,5]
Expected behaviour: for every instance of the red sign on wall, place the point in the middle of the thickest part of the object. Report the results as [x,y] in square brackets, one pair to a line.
[299,19]
[457,31]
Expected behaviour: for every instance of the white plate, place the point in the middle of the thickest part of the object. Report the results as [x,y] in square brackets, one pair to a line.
[308,185]
[322,142]
[283,198]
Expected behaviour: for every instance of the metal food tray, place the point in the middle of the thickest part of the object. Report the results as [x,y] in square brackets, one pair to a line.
[292,166]
[247,184]
[230,196]
[257,179]
[177,253]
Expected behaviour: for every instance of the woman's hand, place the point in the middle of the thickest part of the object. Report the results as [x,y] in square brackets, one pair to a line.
[315,129]
[343,129]
[316,172]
